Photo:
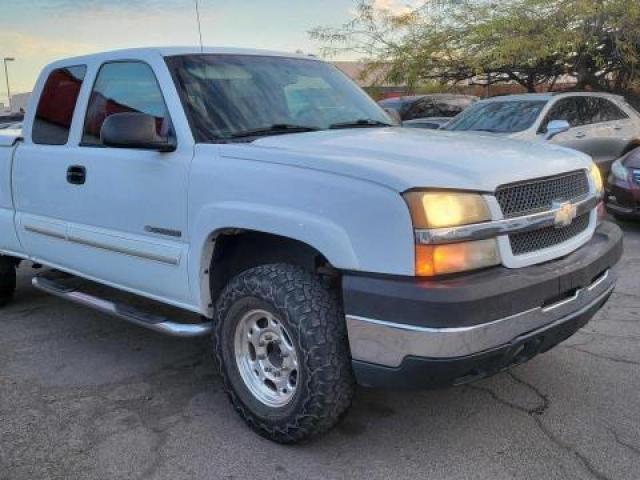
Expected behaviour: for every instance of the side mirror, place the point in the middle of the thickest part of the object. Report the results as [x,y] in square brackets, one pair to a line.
[556,127]
[134,130]
[395,116]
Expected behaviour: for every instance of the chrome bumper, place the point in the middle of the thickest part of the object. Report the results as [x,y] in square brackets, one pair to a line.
[386,343]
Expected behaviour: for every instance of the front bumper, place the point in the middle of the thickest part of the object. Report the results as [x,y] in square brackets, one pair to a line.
[623,198]
[431,333]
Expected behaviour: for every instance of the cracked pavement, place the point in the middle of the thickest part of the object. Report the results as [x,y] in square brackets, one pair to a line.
[86,396]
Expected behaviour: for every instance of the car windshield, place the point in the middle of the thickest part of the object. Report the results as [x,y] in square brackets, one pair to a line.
[499,116]
[230,97]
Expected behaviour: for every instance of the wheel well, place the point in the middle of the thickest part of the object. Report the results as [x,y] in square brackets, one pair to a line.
[237,251]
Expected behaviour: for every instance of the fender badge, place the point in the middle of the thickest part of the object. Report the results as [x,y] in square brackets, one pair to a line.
[566,212]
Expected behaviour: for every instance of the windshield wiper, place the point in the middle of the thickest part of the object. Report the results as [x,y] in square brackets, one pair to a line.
[360,123]
[275,129]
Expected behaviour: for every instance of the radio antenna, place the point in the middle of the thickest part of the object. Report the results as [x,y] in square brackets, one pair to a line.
[199,25]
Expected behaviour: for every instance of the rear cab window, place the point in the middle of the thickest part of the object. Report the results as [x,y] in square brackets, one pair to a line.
[57,105]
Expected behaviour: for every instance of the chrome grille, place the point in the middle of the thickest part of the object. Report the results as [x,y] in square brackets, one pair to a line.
[538,195]
[636,175]
[527,242]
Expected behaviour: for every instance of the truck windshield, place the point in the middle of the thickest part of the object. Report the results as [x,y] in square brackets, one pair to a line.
[498,117]
[229,97]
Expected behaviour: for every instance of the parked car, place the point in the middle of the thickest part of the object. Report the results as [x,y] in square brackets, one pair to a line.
[6,121]
[623,187]
[319,246]
[431,123]
[428,106]
[602,125]
[11,126]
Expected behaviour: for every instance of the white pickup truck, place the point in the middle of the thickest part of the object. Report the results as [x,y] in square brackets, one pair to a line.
[320,245]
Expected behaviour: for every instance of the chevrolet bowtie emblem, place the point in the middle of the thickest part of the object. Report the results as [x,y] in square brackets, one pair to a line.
[565,213]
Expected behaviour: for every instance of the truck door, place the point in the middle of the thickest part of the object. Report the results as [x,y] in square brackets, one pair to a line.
[122,215]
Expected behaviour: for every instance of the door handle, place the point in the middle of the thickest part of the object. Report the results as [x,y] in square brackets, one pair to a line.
[617,127]
[76,174]
[581,135]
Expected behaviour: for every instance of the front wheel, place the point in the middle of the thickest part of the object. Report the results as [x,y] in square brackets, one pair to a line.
[283,353]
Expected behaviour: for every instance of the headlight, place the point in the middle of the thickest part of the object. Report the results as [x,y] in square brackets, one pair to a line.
[596,178]
[619,171]
[446,209]
[431,210]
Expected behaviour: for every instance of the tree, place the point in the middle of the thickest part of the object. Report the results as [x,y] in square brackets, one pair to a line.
[530,42]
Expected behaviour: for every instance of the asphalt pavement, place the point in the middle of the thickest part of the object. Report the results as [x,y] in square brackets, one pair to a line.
[86,396]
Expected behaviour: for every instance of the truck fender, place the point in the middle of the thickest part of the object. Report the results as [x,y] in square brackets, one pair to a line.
[318,232]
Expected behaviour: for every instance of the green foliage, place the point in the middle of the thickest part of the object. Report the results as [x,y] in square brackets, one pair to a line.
[525,41]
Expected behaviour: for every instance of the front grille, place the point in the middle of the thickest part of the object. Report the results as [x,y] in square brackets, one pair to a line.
[636,176]
[529,197]
[527,242]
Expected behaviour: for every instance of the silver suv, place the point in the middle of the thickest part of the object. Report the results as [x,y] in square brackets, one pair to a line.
[602,125]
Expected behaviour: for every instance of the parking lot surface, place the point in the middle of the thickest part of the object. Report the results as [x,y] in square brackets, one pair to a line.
[86,396]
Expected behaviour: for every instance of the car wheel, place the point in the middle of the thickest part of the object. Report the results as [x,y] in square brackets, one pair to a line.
[282,349]
[7,279]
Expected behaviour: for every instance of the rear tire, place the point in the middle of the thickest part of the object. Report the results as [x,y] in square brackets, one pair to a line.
[282,350]
[7,279]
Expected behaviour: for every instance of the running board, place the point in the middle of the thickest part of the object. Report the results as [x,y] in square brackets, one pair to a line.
[143,319]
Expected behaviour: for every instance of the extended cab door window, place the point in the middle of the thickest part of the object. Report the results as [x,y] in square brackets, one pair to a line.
[124,87]
[56,106]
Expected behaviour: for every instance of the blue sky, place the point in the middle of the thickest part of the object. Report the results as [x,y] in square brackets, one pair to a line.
[39,31]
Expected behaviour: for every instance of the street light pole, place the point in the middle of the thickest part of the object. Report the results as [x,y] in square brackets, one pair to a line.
[6,75]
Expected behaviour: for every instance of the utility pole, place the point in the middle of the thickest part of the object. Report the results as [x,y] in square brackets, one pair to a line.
[6,75]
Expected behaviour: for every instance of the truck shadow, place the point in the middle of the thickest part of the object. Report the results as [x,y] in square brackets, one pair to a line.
[110,385]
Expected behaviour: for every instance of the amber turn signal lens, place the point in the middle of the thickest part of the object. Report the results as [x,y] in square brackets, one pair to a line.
[456,257]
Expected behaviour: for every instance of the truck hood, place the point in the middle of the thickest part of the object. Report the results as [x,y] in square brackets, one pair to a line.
[405,158]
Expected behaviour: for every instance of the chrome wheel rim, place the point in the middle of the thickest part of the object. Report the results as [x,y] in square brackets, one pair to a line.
[266,358]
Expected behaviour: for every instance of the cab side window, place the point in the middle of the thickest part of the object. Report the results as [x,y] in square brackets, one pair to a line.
[57,103]
[572,109]
[607,111]
[422,109]
[124,87]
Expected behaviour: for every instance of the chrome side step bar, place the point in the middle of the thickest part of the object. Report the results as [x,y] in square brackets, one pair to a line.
[143,319]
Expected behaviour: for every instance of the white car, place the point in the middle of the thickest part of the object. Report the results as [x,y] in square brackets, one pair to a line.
[601,125]
[318,244]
